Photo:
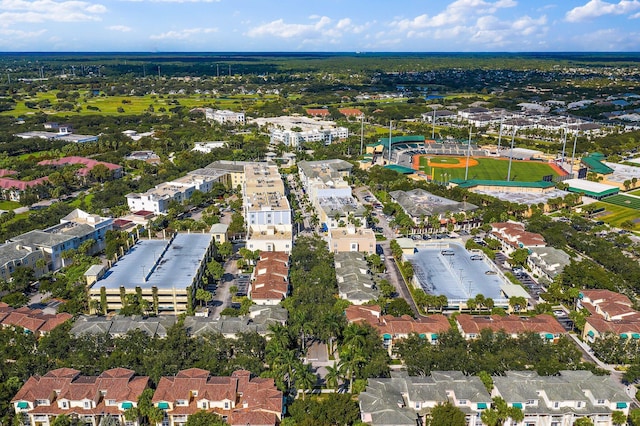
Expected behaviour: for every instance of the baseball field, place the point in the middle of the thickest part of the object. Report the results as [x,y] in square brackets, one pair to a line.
[484,168]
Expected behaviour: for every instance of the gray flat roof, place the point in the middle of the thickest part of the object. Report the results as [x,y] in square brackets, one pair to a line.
[176,263]
[457,276]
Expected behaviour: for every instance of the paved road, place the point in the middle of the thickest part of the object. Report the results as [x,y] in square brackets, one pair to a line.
[222,298]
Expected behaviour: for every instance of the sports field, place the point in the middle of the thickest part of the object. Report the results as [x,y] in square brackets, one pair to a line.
[484,168]
[616,215]
[623,201]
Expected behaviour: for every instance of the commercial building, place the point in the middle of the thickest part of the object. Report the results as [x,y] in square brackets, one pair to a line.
[422,206]
[224,116]
[207,147]
[157,199]
[350,239]
[403,400]
[164,273]
[293,131]
[591,189]
[355,281]
[266,209]
[72,231]
[89,398]
[239,399]
[563,398]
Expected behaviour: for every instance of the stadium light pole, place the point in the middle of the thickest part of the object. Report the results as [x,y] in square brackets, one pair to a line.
[433,123]
[564,142]
[500,132]
[466,168]
[361,133]
[573,153]
[513,138]
[390,124]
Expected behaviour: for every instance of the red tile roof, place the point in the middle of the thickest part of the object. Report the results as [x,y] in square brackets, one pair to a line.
[247,396]
[318,112]
[350,112]
[33,320]
[7,183]
[616,327]
[118,384]
[513,233]
[270,277]
[403,325]
[510,324]
[88,164]
[7,172]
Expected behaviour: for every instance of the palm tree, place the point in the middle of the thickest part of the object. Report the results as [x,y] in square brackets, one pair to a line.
[305,379]
[351,359]
[333,376]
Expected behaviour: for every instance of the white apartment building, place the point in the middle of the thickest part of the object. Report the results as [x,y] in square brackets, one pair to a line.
[224,116]
[295,139]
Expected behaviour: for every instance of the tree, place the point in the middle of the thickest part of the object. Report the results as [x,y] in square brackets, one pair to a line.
[225,250]
[398,307]
[618,418]
[634,416]
[204,418]
[332,377]
[305,379]
[500,412]
[583,421]
[203,296]
[215,269]
[519,257]
[446,415]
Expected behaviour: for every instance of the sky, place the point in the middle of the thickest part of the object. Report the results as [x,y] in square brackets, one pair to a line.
[319,26]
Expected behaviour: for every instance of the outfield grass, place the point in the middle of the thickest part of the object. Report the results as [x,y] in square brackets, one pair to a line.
[490,169]
[636,192]
[616,215]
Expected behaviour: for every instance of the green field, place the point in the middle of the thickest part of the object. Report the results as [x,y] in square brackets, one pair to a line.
[636,192]
[108,105]
[489,169]
[616,215]
[9,205]
[623,201]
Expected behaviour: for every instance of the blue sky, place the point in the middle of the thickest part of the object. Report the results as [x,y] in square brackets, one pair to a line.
[326,25]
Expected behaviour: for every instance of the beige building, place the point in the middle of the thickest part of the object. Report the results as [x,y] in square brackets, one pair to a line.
[351,239]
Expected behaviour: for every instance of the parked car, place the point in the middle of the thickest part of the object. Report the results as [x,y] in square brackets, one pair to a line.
[476,257]
[447,252]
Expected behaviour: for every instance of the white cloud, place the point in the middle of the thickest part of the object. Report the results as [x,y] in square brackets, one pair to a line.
[183,34]
[597,8]
[455,13]
[322,29]
[174,1]
[21,11]
[120,28]
[610,39]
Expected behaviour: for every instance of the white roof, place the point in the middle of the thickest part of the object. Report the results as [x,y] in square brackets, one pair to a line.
[587,185]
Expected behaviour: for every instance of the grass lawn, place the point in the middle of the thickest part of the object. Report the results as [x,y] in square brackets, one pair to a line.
[489,169]
[636,192]
[623,201]
[9,205]
[108,105]
[615,215]
[77,203]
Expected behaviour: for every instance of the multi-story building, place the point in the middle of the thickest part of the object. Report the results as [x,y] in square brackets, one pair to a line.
[561,399]
[404,401]
[224,116]
[546,326]
[72,231]
[164,273]
[512,236]
[547,262]
[270,279]
[31,320]
[611,313]
[91,399]
[295,130]
[355,281]
[351,239]
[393,329]
[157,199]
[239,399]
[266,209]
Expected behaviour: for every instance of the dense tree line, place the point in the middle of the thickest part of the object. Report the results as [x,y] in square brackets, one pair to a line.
[493,353]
